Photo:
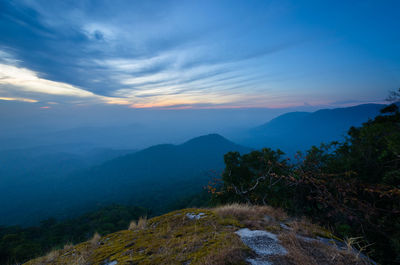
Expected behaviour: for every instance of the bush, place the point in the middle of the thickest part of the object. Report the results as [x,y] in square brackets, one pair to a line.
[353,187]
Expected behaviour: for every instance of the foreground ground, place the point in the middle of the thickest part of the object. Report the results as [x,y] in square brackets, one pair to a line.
[232,234]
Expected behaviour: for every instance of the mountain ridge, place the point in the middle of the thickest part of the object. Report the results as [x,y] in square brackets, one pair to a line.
[148,176]
[296,131]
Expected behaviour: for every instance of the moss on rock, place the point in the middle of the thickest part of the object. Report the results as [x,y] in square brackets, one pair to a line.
[202,236]
[169,239]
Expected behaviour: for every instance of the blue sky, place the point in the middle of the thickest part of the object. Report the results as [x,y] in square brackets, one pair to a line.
[198,54]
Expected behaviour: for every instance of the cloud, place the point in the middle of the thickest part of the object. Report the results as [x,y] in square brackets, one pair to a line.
[14,78]
[19,99]
[28,80]
[141,54]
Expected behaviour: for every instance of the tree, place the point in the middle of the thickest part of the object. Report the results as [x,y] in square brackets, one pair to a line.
[254,177]
[353,187]
[394,96]
[373,150]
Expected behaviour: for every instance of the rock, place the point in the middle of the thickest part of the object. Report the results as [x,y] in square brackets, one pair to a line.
[263,243]
[283,226]
[193,216]
[258,262]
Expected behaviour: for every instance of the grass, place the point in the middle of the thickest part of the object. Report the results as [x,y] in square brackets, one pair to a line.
[175,239]
[140,224]
[314,252]
[253,217]
[95,239]
[244,212]
[169,239]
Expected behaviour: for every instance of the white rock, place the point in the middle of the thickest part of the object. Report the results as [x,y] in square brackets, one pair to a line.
[263,243]
[193,216]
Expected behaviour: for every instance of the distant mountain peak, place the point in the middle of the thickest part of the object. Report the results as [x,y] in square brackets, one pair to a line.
[295,131]
[212,138]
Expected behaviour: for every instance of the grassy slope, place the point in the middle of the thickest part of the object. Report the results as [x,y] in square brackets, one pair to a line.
[175,239]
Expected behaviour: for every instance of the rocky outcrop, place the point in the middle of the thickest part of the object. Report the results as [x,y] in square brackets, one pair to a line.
[234,234]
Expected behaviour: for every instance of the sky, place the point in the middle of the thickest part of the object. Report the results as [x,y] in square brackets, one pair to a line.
[198,54]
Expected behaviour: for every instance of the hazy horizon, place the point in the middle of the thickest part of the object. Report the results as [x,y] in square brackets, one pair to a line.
[166,71]
[153,126]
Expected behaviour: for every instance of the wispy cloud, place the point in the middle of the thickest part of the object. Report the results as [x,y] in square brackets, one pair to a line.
[28,80]
[19,99]
[19,79]
[164,53]
[122,60]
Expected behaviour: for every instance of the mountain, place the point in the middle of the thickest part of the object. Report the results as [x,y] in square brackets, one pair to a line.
[30,177]
[300,130]
[154,177]
[232,234]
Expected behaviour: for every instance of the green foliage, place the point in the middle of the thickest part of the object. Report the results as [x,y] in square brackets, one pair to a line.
[374,149]
[19,244]
[254,177]
[353,187]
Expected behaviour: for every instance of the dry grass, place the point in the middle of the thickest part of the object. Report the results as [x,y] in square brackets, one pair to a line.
[356,246]
[140,224]
[132,225]
[80,260]
[51,256]
[296,252]
[305,227]
[95,239]
[300,251]
[249,212]
[313,252]
[68,246]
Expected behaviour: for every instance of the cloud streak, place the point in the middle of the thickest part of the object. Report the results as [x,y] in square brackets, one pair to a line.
[150,53]
[19,79]
[19,99]
[91,58]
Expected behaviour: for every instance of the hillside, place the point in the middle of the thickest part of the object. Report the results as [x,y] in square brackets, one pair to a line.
[233,234]
[154,177]
[28,177]
[150,176]
[300,130]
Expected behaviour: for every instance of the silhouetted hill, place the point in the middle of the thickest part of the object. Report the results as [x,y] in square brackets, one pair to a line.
[300,130]
[150,177]
[210,141]
[204,153]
